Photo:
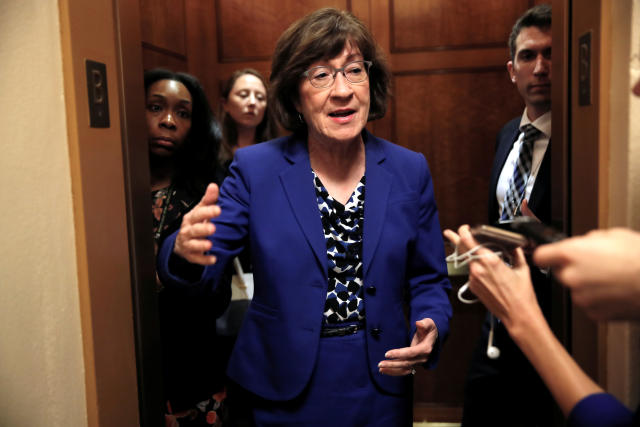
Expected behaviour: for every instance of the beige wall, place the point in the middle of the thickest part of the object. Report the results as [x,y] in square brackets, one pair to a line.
[623,355]
[41,359]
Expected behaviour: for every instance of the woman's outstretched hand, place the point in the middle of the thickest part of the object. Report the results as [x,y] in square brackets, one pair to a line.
[192,240]
[403,361]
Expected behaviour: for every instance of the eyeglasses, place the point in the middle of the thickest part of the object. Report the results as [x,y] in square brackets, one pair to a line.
[323,76]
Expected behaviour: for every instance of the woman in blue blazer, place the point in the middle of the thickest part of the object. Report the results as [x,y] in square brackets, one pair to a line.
[338,270]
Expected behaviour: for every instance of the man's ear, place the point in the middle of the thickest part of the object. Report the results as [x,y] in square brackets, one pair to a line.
[512,75]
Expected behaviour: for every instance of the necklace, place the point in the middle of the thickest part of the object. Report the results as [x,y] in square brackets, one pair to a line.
[163,216]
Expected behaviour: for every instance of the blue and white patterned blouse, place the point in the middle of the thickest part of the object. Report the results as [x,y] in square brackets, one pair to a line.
[342,225]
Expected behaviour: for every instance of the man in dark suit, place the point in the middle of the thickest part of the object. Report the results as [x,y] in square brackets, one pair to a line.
[506,390]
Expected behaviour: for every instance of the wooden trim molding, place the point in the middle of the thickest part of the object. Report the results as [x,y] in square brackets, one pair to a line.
[88,31]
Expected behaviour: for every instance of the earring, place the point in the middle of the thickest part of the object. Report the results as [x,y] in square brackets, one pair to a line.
[300,118]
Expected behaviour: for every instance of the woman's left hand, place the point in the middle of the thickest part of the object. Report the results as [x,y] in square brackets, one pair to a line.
[403,361]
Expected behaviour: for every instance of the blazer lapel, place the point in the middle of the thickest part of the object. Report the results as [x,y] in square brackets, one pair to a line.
[298,186]
[377,187]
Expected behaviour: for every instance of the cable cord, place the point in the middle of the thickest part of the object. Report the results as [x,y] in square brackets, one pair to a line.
[460,260]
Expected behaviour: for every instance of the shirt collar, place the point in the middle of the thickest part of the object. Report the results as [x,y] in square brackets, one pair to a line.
[542,123]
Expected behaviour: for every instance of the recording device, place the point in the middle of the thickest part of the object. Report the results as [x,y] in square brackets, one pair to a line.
[505,239]
[537,232]
[523,232]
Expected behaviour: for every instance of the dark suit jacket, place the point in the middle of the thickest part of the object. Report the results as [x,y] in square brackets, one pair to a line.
[269,204]
[540,199]
[499,391]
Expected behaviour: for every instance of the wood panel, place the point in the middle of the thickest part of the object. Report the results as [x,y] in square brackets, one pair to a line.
[249,29]
[445,24]
[163,24]
[201,46]
[453,118]
[153,57]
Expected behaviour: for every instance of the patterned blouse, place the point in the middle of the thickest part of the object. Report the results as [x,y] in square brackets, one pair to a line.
[342,225]
[168,206]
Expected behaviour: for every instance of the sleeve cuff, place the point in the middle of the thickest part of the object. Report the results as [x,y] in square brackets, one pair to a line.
[183,269]
[599,410]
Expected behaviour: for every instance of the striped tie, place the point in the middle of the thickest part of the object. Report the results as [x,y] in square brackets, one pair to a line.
[518,182]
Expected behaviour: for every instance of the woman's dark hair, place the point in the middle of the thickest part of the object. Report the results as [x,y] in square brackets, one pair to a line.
[322,35]
[265,131]
[196,162]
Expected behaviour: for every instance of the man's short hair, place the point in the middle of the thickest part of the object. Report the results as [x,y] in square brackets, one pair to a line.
[538,16]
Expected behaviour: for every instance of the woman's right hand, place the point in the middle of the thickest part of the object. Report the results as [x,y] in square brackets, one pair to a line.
[192,240]
[506,291]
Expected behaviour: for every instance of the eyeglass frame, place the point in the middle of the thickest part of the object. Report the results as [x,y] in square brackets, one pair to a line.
[338,70]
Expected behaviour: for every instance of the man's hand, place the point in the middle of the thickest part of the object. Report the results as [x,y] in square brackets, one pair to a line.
[192,240]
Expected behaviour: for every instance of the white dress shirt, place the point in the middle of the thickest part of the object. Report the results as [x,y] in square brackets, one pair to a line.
[543,124]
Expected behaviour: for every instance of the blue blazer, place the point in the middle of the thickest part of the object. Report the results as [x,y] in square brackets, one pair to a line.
[269,204]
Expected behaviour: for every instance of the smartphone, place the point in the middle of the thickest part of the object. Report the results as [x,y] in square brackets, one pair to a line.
[505,239]
[536,232]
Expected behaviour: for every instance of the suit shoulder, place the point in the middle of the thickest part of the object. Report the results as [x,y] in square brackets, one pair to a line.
[511,125]
[403,163]
[396,151]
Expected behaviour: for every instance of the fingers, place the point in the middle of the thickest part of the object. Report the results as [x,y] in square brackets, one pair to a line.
[397,371]
[198,231]
[518,259]
[206,209]
[192,241]
[466,239]
[452,236]
[408,354]
[202,213]
[551,255]
[210,195]
[524,208]
[201,259]
[398,366]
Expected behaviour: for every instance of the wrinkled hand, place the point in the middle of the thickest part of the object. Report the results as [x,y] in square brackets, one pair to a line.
[192,240]
[602,269]
[403,361]
[506,292]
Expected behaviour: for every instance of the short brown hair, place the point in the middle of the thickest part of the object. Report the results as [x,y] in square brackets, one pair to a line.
[322,35]
[538,16]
